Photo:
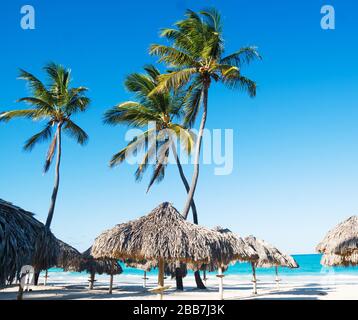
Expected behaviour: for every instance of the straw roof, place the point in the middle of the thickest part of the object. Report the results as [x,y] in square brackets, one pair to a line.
[142,265]
[335,260]
[69,259]
[341,240]
[169,268]
[242,250]
[99,266]
[164,234]
[269,256]
[20,237]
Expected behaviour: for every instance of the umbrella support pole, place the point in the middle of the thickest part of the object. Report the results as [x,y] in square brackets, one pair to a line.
[91,281]
[145,279]
[277,279]
[254,280]
[46,277]
[161,276]
[20,294]
[205,278]
[221,283]
[110,284]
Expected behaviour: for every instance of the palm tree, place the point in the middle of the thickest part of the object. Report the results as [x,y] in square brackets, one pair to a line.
[196,56]
[55,103]
[157,142]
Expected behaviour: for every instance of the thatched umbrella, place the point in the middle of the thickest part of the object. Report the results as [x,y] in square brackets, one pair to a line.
[68,258]
[340,245]
[268,257]
[243,252]
[99,266]
[165,236]
[20,235]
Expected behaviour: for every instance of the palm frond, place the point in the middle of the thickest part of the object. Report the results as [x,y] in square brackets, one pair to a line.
[38,89]
[234,80]
[174,80]
[187,137]
[130,113]
[60,78]
[50,153]
[40,103]
[43,135]
[149,155]
[162,160]
[244,55]
[9,115]
[74,131]
[172,56]
[136,145]
[192,103]
[212,19]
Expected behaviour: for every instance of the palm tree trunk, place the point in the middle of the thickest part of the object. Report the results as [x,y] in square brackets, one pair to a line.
[197,152]
[194,182]
[178,277]
[54,192]
[186,184]
[57,179]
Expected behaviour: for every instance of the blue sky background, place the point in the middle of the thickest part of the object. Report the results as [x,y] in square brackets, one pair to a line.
[296,150]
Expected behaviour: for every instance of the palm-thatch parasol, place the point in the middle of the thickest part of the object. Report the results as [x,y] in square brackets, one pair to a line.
[340,245]
[242,251]
[19,234]
[99,266]
[165,236]
[69,258]
[268,257]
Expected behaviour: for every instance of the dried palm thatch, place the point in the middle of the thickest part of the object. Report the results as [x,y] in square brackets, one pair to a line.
[269,256]
[170,269]
[99,266]
[164,234]
[242,251]
[69,259]
[341,240]
[335,260]
[142,264]
[20,238]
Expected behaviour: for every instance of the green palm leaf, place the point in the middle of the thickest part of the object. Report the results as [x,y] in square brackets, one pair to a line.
[74,131]
[43,135]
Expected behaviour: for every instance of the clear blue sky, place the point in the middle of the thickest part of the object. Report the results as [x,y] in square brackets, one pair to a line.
[296,144]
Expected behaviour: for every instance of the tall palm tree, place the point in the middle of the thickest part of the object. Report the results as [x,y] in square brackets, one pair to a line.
[196,56]
[162,108]
[54,103]
[157,142]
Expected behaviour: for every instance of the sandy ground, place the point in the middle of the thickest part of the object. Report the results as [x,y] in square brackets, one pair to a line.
[130,287]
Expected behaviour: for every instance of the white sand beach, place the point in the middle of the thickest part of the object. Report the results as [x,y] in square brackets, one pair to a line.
[303,287]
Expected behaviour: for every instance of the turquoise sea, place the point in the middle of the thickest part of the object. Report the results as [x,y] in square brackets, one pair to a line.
[309,265]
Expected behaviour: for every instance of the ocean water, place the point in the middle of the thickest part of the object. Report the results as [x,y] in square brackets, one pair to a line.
[309,266]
